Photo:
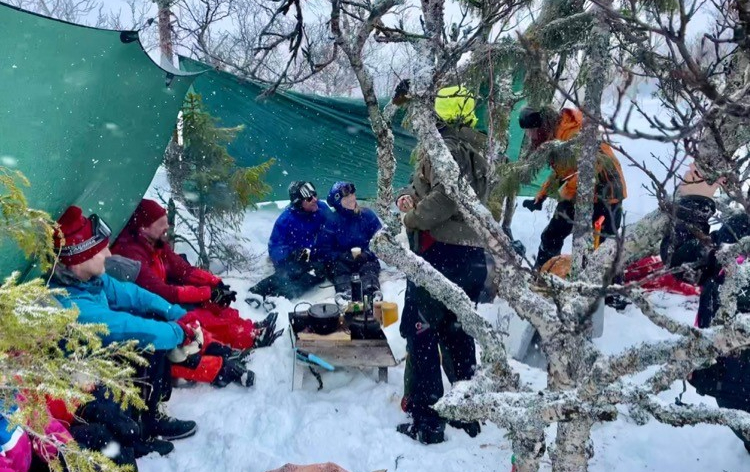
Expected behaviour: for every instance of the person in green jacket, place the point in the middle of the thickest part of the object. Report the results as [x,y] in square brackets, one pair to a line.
[442,237]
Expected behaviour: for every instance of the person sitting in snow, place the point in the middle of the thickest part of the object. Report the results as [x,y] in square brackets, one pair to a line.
[216,363]
[349,227]
[293,246]
[129,312]
[690,242]
[545,125]
[15,446]
[19,450]
[168,275]
[102,423]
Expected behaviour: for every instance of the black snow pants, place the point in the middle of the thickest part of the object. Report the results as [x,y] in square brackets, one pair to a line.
[432,331]
[155,380]
[561,226]
[102,422]
[366,265]
[290,280]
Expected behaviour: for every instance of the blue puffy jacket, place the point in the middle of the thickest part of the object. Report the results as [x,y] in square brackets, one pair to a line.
[346,229]
[8,438]
[296,229]
[118,305]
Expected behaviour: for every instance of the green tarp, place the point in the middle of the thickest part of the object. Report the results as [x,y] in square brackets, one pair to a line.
[85,114]
[311,137]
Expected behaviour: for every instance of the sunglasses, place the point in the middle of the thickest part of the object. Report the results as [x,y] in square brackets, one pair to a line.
[100,232]
[311,197]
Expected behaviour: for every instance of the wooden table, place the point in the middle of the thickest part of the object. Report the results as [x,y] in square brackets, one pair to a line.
[339,350]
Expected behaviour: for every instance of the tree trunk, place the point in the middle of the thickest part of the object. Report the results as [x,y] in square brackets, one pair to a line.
[171,217]
[165,32]
[528,449]
[574,448]
[202,250]
[596,61]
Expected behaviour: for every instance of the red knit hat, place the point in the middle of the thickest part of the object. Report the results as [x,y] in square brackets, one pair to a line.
[146,214]
[81,241]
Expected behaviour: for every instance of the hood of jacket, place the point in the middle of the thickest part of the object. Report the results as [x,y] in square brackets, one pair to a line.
[571,122]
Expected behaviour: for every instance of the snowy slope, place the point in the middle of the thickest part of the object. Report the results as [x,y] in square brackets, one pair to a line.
[352,420]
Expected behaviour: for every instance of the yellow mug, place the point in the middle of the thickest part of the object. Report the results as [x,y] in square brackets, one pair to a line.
[389,312]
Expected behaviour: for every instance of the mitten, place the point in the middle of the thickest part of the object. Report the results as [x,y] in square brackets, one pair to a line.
[192,343]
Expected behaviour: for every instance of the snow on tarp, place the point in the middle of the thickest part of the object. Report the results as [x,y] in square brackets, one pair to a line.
[85,114]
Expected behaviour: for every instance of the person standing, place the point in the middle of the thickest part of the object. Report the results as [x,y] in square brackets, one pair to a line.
[441,236]
[546,124]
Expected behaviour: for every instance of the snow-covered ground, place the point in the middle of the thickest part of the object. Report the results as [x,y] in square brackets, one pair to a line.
[352,420]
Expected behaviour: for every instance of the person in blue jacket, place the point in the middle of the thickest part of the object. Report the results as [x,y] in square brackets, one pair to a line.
[350,227]
[128,311]
[293,246]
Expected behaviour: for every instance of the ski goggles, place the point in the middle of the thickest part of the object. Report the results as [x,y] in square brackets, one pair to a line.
[100,232]
[307,192]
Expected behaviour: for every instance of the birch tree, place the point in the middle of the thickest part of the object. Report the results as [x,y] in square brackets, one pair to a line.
[584,385]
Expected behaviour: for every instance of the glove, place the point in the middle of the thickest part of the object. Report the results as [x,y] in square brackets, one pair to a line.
[192,344]
[347,258]
[368,256]
[301,255]
[532,204]
[224,285]
[401,94]
[223,296]
[232,371]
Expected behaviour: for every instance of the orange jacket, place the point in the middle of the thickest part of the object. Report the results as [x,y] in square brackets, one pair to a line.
[610,181]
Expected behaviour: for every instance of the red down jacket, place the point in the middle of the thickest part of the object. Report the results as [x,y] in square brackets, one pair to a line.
[163,272]
[168,275]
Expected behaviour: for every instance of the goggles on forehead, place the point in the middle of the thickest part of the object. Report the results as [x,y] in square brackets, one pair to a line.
[347,189]
[307,192]
[100,232]
[344,190]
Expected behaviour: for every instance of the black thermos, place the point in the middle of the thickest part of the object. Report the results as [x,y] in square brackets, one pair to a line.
[357,295]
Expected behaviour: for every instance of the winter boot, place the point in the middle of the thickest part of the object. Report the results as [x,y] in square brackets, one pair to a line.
[232,371]
[267,338]
[240,355]
[144,448]
[472,428]
[424,432]
[169,429]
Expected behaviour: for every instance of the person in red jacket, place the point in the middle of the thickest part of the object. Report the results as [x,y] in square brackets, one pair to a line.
[168,275]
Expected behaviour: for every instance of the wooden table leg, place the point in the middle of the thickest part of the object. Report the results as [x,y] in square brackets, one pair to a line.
[299,376]
[383,374]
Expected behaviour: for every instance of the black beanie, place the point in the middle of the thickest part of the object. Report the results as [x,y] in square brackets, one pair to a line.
[530,118]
